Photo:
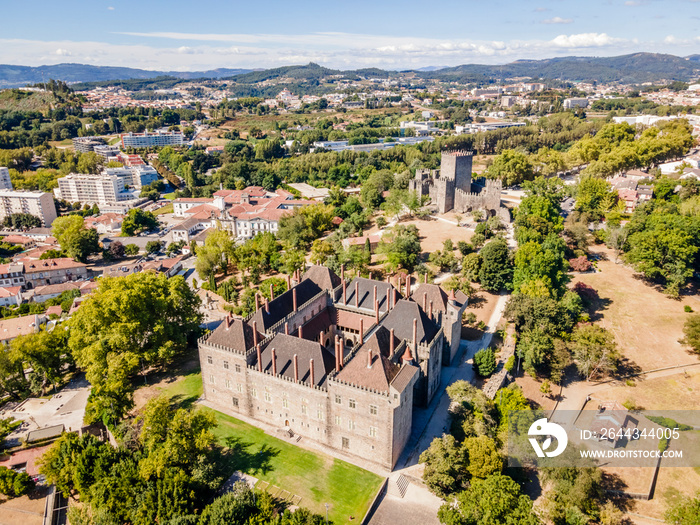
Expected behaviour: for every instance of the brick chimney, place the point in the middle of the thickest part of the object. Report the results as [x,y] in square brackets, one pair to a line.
[362,329]
[294,298]
[311,371]
[272,293]
[391,342]
[425,279]
[425,302]
[376,311]
[374,297]
[369,359]
[408,286]
[337,355]
[274,362]
[301,333]
[289,282]
[255,333]
[286,328]
[415,334]
[257,349]
[267,304]
[296,369]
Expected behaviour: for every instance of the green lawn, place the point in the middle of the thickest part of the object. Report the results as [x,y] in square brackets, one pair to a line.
[170,196]
[168,208]
[314,476]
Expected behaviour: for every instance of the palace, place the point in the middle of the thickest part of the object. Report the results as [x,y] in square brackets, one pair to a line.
[335,361]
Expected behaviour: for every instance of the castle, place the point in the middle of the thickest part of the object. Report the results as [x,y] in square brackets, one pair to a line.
[335,361]
[451,188]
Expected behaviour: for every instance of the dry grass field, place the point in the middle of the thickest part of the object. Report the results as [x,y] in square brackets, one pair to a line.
[646,323]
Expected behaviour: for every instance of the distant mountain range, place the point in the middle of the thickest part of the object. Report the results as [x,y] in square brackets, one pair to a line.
[634,68]
[14,76]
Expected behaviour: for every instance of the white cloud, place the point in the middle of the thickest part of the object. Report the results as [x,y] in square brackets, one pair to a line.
[110,8]
[583,40]
[558,20]
[541,9]
[196,52]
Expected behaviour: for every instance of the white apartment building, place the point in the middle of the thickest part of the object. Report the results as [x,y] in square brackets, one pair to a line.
[5,182]
[156,138]
[571,103]
[92,189]
[37,203]
[135,176]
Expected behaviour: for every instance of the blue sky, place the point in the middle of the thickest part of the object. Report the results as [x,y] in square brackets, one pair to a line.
[175,35]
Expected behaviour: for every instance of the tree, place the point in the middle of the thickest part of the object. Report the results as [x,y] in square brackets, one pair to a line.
[153,247]
[485,362]
[143,319]
[496,500]
[691,331]
[401,247]
[21,221]
[14,484]
[235,507]
[131,249]
[76,240]
[137,220]
[594,196]
[484,459]
[574,493]
[214,256]
[684,512]
[666,254]
[116,250]
[512,167]
[44,352]
[496,270]
[594,350]
[446,464]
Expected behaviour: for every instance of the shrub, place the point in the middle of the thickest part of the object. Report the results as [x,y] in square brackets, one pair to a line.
[485,362]
[14,484]
[688,309]
[580,264]
[381,221]
[510,364]
[587,293]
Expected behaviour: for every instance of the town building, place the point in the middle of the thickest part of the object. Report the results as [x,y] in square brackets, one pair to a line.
[12,274]
[5,182]
[13,328]
[11,296]
[37,203]
[151,139]
[53,271]
[571,103]
[87,144]
[115,190]
[339,362]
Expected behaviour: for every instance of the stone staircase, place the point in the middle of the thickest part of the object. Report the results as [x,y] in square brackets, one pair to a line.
[399,486]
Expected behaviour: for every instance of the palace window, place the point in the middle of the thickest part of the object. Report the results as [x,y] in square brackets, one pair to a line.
[346,443]
[351,424]
[238,369]
[228,383]
[226,365]
[235,401]
[373,410]
[338,421]
[211,379]
[351,403]
[210,360]
[373,432]
[254,392]
[338,399]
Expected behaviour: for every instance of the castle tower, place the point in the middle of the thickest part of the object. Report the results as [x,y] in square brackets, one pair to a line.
[457,166]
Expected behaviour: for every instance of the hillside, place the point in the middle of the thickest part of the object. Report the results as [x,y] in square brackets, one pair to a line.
[15,76]
[634,68]
[15,100]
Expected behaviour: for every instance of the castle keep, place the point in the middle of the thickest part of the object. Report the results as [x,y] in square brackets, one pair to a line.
[451,188]
[339,362]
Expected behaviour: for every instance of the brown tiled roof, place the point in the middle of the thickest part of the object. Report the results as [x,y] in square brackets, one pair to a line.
[54,310]
[401,317]
[324,277]
[11,328]
[286,346]
[10,291]
[55,288]
[51,264]
[377,377]
[237,335]
[366,293]
[283,304]
[437,295]
[404,377]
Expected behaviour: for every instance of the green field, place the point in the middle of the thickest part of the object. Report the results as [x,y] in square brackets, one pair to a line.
[168,208]
[316,477]
[170,196]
